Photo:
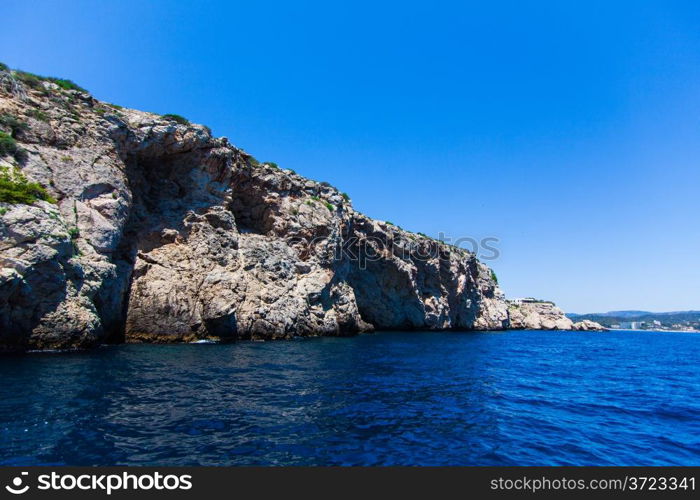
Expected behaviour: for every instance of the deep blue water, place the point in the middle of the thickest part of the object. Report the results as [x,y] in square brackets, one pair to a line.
[510,398]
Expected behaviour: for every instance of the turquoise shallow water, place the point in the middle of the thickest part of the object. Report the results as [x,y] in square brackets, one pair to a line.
[509,398]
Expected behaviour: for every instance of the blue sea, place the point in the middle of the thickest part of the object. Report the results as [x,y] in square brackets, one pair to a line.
[393,398]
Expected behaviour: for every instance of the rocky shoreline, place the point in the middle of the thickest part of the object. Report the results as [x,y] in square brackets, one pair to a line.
[152,230]
[531,314]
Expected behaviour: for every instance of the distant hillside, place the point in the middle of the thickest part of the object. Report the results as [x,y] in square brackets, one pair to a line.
[667,319]
[618,314]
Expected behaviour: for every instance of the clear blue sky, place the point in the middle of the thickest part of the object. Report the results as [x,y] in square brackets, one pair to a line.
[568,130]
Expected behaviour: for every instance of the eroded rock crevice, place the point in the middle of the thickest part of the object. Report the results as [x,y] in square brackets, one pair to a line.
[177,204]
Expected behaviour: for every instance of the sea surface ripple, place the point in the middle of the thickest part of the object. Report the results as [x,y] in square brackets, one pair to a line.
[391,398]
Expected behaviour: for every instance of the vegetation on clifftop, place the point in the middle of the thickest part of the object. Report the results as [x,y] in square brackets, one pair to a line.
[34,81]
[176,118]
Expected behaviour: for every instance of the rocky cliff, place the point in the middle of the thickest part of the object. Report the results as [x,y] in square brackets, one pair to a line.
[530,314]
[146,228]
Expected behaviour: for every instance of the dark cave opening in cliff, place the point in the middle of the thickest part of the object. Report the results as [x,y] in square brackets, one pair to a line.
[160,187]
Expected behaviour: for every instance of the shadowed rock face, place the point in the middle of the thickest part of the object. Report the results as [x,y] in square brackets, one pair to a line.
[163,233]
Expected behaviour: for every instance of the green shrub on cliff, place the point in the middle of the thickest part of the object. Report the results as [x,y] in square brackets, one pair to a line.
[16,188]
[29,79]
[176,118]
[14,124]
[494,277]
[8,146]
[39,115]
[65,84]
[34,81]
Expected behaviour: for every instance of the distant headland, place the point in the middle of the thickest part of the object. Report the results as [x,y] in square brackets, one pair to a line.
[683,321]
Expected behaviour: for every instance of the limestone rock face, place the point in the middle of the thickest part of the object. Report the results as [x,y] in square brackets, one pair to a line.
[588,325]
[537,315]
[163,233]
